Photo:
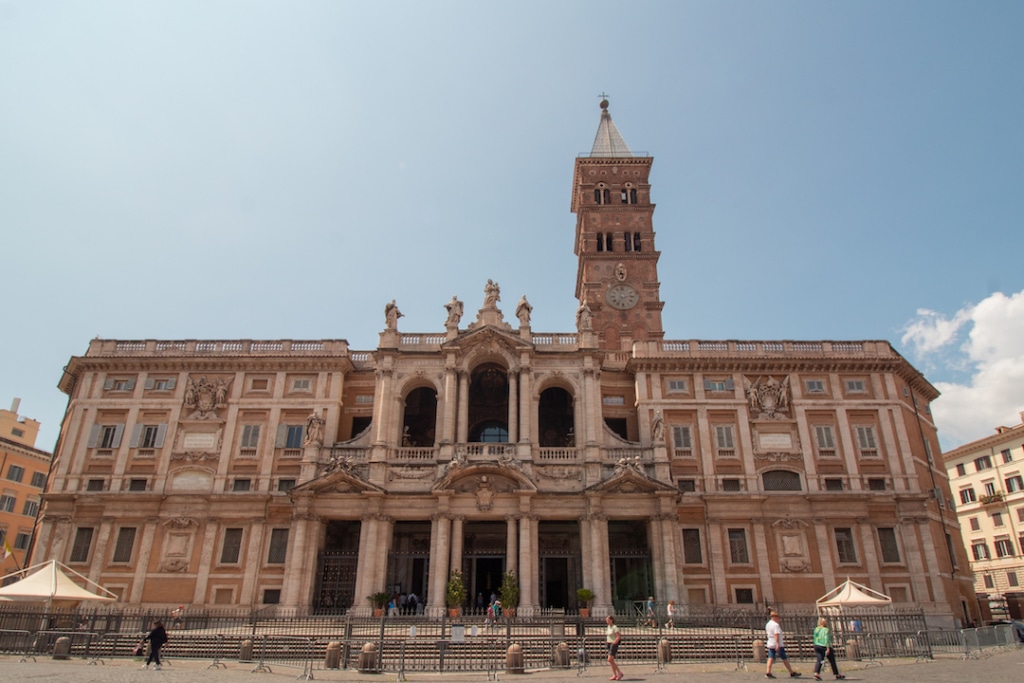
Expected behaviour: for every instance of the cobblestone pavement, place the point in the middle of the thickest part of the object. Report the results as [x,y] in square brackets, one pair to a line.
[1006,666]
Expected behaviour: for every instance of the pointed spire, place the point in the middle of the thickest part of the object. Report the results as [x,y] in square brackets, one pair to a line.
[608,142]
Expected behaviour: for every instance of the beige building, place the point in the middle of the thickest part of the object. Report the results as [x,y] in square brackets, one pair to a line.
[987,478]
[309,474]
[23,471]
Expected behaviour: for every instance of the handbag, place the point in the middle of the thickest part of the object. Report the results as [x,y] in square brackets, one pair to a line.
[139,650]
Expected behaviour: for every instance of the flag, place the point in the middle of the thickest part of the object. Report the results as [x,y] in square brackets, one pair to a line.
[7,549]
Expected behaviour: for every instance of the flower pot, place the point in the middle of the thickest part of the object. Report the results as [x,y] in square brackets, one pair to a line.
[378,611]
[454,612]
[584,612]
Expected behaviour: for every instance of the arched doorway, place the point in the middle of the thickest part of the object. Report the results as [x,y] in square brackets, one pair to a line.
[488,404]
[420,417]
[555,418]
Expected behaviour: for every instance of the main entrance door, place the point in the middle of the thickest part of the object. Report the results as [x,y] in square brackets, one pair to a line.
[483,561]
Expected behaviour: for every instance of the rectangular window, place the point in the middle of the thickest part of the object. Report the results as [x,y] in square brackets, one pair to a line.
[39,479]
[82,544]
[120,385]
[979,550]
[961,470]
[137,484]
[738,546]
[241,485]
[15,473]
[989,583]
[1007,455]
[18,433]
[259,385]
[300,385]
[149,436]
[250,437]
[990,488]
[982,463]
[677,386]
[21,541]
[232,547]
[887,542]
[967,496]
[832,484]
[278,546]
[726,448]
[7,502]
[687,485]
[845,548]
[95,485]
[1004,547]
[826,441]
[731,485]
[125,544]
[1020,542]
[1011,578]
[31,508]
[294,436]
[975,524]
[366,399]
[718,385]
[692,552]
[876,484]
[271,596]
[1020,514]
[285,485]
[614,400]
[866,441]
[855,386]
[1014,483]
[110,436]
[949,550]
[997,519]
[161,384]
[744,596]
[815,386]
[682,440]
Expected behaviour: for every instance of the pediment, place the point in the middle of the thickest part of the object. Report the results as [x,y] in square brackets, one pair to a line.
[488,337]
[630,480]
[474,477]
[339,481]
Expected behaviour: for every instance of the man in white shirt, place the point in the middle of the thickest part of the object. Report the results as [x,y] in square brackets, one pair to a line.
[776,648]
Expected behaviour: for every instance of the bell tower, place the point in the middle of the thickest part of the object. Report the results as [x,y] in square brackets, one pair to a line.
[617,272]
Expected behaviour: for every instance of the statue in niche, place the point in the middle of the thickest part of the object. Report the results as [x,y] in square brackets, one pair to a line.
[492,294]
[584,317]
[523,311]
[391,316]
[204,396]
[314,431]
[658,428]
[454,308]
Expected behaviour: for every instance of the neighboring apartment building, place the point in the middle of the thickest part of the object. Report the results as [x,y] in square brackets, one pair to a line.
[313,475]
[23,470]
[987,478]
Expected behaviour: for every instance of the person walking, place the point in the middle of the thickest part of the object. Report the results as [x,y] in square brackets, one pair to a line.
[776,647]
[670,612]
[823,650]
[157,637]
[613,637]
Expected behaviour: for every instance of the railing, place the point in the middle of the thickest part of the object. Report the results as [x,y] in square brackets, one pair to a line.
[567,454]
[408,454]
[154,347]
[826,349]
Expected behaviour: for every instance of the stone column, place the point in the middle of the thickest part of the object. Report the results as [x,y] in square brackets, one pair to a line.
[364,567]
[206,560]
[909,528]
[438,563]
[673,560]
[828,570]
[142,560]
[250,584]
[525,405]
[450,401]
[529,599]
[463,419]
[381,403]
[513,408]
[719,552]
[657,558]
[586,552]
[511,547]
[600,563]
[457,539]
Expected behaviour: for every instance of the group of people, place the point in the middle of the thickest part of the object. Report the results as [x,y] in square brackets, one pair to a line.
[822,648]
[493,611]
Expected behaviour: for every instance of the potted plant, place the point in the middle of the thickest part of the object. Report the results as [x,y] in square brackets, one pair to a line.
[379,600]
[509,593]
[583,598]
[455,595]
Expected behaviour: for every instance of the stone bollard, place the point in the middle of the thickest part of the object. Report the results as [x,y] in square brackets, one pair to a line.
[562,656]
[62,648]
[853,650]
[245,650]
[760,656]
[332,659]
[664,651]
[368,659]
[514,659]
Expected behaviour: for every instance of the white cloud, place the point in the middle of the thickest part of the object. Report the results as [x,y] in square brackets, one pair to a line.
[993,351]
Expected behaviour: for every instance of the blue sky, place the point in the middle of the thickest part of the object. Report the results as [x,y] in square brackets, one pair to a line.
[266,170]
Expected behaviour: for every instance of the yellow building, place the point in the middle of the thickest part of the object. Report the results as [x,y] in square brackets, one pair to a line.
[306,473]
[23,470]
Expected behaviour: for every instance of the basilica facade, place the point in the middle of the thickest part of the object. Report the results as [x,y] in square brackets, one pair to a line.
[312,475]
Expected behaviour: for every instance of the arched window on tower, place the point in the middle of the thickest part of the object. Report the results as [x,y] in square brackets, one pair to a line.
[608,242]
[629,241]
[600,241]
[606,196]
[597,196]
[625,196]
[632,196]
[636,241]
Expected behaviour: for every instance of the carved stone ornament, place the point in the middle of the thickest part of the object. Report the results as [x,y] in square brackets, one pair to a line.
[181,523]
[559,472]
[509,461]
[314,430]
[195,456]
[410,472]
[768,399]
[339,462]
[795,565]
[484,496]
[176,564]
[635,463]
[205,396]
[779,457]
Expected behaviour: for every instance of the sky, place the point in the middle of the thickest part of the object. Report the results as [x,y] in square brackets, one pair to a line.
[214,169]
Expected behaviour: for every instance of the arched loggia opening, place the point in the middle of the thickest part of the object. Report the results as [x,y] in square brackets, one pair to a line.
[420,418]
[555,418]
[488,404]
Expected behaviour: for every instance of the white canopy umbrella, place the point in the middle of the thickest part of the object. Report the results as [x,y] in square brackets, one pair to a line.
[852,594]
[52,581]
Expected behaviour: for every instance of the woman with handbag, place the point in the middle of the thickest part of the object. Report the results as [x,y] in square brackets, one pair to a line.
[823,649]
[157,637]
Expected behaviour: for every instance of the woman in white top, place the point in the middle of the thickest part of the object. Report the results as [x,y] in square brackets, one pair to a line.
[613,638]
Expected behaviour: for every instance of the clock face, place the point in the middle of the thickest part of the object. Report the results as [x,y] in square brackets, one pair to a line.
[622,297]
